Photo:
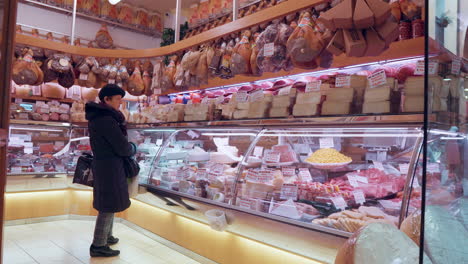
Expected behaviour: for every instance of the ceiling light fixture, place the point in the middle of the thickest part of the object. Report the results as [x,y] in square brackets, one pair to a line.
[114,2]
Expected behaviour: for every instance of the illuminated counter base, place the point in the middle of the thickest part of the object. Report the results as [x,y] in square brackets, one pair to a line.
[249,239]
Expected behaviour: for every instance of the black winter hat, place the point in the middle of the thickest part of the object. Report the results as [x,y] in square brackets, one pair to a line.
[110,90]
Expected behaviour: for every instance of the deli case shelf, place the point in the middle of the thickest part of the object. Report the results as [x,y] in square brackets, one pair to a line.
[332,179]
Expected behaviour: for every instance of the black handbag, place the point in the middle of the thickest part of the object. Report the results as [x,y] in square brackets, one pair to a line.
[84,170]
[131,166]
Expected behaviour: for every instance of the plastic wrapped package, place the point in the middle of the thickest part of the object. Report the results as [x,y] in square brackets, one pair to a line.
[108,11]
[126,14]
[155,22]
[142,18]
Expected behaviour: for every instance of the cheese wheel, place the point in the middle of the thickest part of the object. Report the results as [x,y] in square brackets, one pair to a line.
[411,226]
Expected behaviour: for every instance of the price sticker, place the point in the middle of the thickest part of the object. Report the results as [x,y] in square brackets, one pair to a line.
[288,171]
[18,100]
[289,191]
[28,150]
[456,66]
[326,142]
[258,151]
[313,86]
[378,165]
[256,96]
[180,174]
[16,170]
[420,67]
[244,203]
[269,49]
[390,205]
[242,96]
[201,174]
[157,91]
[359,197]
[416,183]
[353,181]
[433,67]
[179,82]
[304,175]
[192,134]
[285,91]
[159,142]
[362,179]
[433,168]
[377,79]
[217,169]
[343,81]
[265,176]
[83,76]
[252,176]
[339,202]
[404,168]
[272,157]
[111,81]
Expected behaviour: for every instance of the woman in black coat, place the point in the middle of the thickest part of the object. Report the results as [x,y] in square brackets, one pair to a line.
[108,137]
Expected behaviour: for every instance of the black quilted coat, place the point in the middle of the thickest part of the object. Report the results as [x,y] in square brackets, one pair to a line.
[108,137]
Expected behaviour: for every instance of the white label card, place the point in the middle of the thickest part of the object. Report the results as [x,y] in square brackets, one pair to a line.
[390,204]
[433,67]
[111,81]
[353,181]
[289,191]
[377,79]
[272,157]
[18,101]
[456,66]
[201,174]
[159,142]
[36,90]
[339,202]
[359,197]
[288,171]
[404,168]
[256,96]
[420,66]
[244,203]
[258,151]
[242,97]
[378,165]
[83,76]
[269,49]
[157,91]
[343,81]
[252,176]
[179,82]
[265,176]
[285,90]
[416,183]
[217,169]
[313,86]
[362,179]
[304,175]
[192,134]
[326,142]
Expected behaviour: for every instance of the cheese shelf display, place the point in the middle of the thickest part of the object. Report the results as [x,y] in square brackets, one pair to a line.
[330,179]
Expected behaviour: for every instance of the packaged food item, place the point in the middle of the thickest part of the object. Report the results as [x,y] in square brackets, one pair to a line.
[141,18]
[126,14]
[155,22]
[108,11]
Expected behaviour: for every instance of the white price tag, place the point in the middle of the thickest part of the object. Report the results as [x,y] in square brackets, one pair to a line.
[433,67]
[377,79]
[288,171]
[83,76]
[378,165]
[433,168]
[416,183]
[304,175]
[242,97]
[404,168]
[326,143]
[179,82]
[159,142]
[192,134]
[289,191]
[18,100]
[201,174]
[265,176]
[111,81]
[353,181]
[258,151]
[252,176]
[37,91]
[285,90]
[157,91]
[362,179]
[272,157]
[28,151]
[244,203]
[343,81]
[456,66]
[420,67]
[339,202]
[269,49]
[313,86]
[390,205]
[16,170]
[256,96]
[217,169]
[359,197]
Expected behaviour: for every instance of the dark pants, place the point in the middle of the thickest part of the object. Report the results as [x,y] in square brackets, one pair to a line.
[103,229]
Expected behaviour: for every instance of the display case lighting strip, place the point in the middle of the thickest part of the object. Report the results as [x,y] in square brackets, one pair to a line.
[36,129]
[341,135]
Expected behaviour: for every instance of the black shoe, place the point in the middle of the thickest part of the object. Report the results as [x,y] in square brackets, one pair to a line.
[104,251]
[112,241]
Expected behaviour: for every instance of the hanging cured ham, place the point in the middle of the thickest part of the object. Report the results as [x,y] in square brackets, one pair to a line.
[136,86]
[26,70]
[103,38]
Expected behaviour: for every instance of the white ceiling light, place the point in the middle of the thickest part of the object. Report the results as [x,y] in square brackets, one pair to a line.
[114,2]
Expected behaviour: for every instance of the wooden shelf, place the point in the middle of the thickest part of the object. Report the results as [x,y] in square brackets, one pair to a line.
[39,98]
[260,17]
[92,18]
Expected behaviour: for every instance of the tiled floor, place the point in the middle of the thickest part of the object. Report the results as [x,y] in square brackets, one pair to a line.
[68,241]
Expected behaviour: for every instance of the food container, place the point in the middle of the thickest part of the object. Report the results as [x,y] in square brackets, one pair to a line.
[216,219]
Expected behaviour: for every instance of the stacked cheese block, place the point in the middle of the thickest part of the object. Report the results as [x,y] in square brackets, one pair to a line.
[198,112]
[377,100]
[414,94]
[241,108]
[281,105]
[307,104]
[260,107]
[338,101]
[176,113]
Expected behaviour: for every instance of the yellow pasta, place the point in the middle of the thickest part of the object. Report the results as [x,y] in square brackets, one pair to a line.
[328,155]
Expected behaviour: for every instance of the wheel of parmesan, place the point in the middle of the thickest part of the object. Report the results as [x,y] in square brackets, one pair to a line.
[53,90]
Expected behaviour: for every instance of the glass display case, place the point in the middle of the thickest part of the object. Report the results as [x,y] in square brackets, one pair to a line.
[313,177]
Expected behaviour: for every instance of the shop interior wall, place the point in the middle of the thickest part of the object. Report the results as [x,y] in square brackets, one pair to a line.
[463,24]
[450,8]
[42,18]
